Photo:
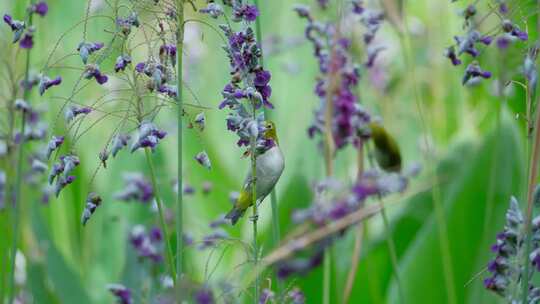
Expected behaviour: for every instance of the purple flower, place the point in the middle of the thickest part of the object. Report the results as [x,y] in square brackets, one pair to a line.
[203,159]
[17,27]
[474,73]
[45,83]
[140,67]
[168,51]
[73,111]
[54,143]
[262,78]
[207,187]
[136,188]
[92,71]
[169,90]
[155,235]
[118,143]
[267,295]
[27,41]
[213,9]
[148,137]
[122,293]
[204,296]
[246,12]
[41,8]
[296,296]
[92,202]
[86,49]
[121,63]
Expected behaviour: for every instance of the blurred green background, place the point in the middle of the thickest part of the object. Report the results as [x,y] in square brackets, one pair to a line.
[479,158]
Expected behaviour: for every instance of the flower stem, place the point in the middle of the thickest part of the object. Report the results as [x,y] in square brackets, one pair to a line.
[159,203]
[273,197]
[18,181]
[180,90]
[255,215]
[533,174]
[444,243]
[392,250]
[355,258]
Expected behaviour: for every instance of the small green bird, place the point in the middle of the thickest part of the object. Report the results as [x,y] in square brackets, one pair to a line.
[387,151]
[269,166]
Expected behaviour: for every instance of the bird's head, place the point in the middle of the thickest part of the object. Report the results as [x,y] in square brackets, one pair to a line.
[270,131]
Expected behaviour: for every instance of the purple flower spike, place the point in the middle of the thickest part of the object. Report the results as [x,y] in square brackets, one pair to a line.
[41,8]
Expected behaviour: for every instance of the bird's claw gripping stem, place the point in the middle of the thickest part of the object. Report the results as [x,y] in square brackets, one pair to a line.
[254,218]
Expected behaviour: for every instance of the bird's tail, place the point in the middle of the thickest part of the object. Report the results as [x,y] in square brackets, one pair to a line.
[235,214]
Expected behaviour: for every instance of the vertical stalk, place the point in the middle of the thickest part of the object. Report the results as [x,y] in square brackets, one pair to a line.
[355,258]
[159,203]
[255,215]
[444,243]
[18,181]
[180,90]
[392,249]
[273,198]
[533,174]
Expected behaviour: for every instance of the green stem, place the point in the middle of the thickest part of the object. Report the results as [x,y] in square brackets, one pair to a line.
[326,275]
[179,198]
[273,197]
[18,181]
[255,216]
[159,203]
[533,174]
[392,251]
[444,243]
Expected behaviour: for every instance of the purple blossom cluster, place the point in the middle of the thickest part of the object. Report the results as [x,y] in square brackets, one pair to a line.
[249,87]
[147,244]
[339,73]
[148,136]
[333,201]
[93,71]
[160,76]
[136,188]
[61,171]
[506,267]
[121,63]
[473,41]
[124,24]
[21,32]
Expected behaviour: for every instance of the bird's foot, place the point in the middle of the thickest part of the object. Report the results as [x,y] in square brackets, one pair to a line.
[254,218]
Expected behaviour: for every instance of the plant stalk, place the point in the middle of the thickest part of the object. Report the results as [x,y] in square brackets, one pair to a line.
[179,100]
[18,181]
[159,203]
[255,215]
[444,243]
[273,197]
[533,174]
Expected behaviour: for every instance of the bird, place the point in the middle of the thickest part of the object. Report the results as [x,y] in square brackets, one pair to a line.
[387,152]
[269,167]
